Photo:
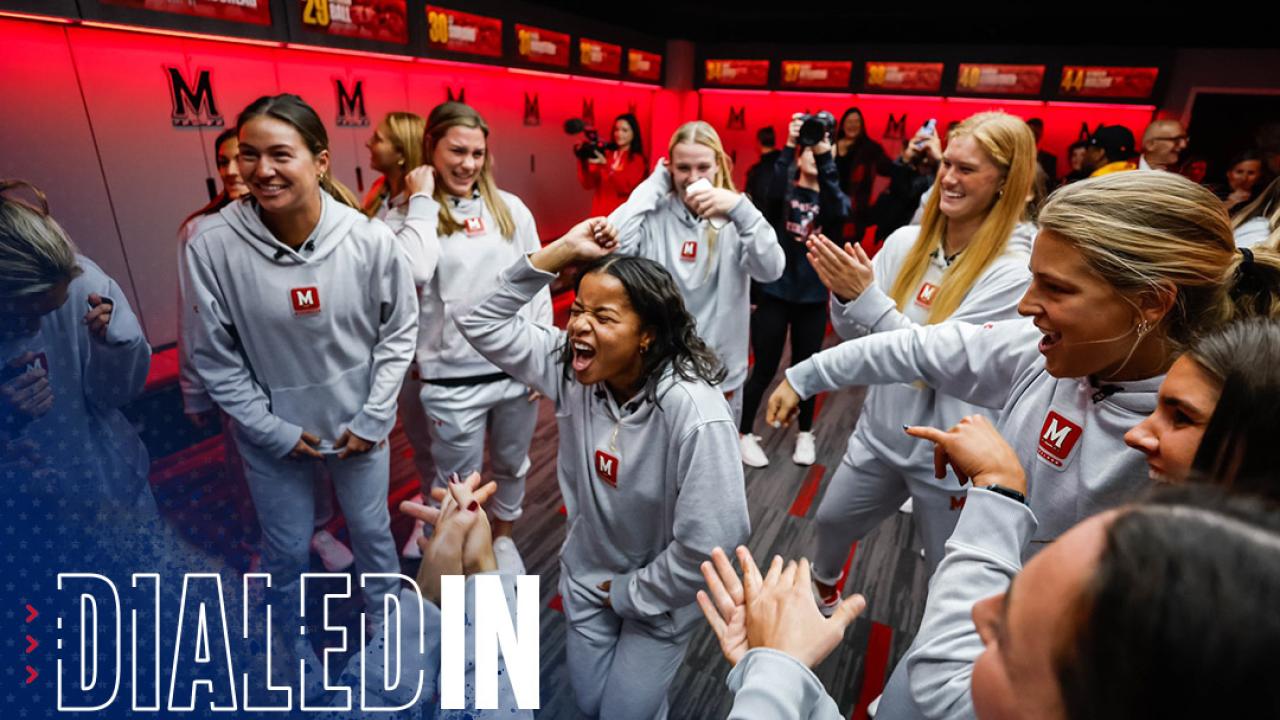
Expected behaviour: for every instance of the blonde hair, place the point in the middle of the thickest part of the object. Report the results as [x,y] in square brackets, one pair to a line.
[1156,231]
[1267,206]
[405,131]
[35,253]
[1011,146]
[701,133]
[456,114]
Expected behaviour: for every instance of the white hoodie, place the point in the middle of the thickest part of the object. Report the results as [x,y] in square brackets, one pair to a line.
[994,296]
[314,339]
[1068,434]
[470,263]
[649,490]
[715,284]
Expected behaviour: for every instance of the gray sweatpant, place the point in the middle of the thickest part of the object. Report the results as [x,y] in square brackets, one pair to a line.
[283,492]
[619,667]
[458,418]
[864,491]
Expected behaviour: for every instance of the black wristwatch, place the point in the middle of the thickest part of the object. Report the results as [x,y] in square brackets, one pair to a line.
[1008,492]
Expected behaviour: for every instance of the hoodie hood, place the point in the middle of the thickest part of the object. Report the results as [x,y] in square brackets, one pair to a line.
[336,220]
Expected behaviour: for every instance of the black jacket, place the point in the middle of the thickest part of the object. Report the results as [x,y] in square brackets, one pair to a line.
[791,211]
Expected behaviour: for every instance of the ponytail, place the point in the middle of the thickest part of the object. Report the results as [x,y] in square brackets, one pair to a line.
[340,192]
[1252,286]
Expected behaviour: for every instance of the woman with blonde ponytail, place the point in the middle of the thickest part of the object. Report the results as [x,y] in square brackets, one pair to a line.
[1126,269]
[712,240]
[476,231]
[301,322]
[967,261]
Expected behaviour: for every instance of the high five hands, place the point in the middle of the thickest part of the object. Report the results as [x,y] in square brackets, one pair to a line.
[776,611]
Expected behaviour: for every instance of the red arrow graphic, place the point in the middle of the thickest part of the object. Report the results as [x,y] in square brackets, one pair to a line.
[31,674]
[31,644]
[31,613]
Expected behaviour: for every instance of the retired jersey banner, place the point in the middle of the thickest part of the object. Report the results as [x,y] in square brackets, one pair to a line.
[990,79]
[817,73]
[738,73]
[1108,82]
[903,76]
[544,47]
[385,20]
[644,65]
[461,32]
[601,57]
[257,12]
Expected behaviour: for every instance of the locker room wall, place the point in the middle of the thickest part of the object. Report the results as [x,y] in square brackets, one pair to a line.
[1062,120]
[95,133]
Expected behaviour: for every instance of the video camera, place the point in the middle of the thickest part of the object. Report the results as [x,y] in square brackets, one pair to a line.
[590,144]
[815,128]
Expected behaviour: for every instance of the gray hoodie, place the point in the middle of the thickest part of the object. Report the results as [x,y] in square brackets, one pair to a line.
[715,283]
[1068,434]
[649,489]
[467,270]
[317,338]
[994,296]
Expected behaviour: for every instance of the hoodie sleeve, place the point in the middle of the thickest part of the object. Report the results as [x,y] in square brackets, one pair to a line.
[417,238]
[975,363]
[216,356]
[116,369]
[632,217]
[527,351]
[710,473]
[771,685]
[994,296]
[195,399]
[391,285]
[759,253]
[983,554]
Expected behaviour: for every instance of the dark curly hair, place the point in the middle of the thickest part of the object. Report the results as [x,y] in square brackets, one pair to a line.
[656,299]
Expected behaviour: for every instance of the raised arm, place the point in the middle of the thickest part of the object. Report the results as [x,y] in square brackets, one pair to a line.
[417,237]
[631,218]
[529,351]
[975,363]
[119,357]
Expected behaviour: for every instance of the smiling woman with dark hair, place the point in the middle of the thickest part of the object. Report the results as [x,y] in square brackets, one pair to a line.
[647,448]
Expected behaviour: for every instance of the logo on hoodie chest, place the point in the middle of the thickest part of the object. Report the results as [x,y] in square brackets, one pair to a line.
[305,300]
[473,226]
[607,468]
[1058,438]
[689,250]
[924,298]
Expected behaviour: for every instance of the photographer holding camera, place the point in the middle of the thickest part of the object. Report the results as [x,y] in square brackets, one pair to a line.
[801,198]
[611,169]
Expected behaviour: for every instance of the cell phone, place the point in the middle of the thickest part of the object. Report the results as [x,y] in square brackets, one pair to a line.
[930,127]
[698,185]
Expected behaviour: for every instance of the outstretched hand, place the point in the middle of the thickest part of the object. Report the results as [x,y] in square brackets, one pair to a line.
[846,271]
[784,405]
[976,451]
[589,240]
[777,612]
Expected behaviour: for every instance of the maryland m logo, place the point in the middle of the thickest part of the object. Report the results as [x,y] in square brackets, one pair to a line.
[193,108]
[532,113]
[461,97]
[351,105]
[737,118]
[896,128]
[589,111]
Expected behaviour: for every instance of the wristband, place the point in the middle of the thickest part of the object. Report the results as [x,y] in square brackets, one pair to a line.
[1008,492]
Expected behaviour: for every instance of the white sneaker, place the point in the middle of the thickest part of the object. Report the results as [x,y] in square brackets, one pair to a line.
[752,454]
[874,707]
[508,557]
[805,453]
[411,550]
[335,556]
[905,507]
[827,604]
